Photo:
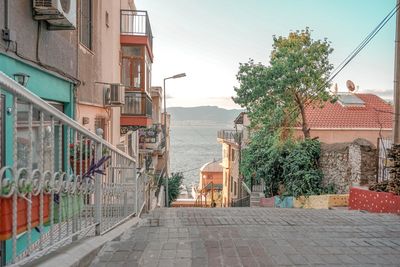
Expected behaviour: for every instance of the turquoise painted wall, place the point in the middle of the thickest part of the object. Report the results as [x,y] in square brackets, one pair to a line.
[45,85]
[41,83]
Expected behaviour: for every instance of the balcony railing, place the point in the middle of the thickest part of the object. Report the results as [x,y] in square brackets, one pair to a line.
[137,104]
[230,135]
[136,22]
[60,182]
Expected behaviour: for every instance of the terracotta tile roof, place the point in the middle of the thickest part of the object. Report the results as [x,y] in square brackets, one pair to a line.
[376,113]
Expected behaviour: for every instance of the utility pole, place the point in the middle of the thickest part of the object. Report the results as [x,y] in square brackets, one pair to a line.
[396,124]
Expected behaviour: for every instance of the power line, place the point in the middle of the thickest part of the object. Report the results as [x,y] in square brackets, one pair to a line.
[352,55]
[364,43]
[198,168]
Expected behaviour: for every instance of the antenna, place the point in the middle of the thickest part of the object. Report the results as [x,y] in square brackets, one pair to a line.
[350,85]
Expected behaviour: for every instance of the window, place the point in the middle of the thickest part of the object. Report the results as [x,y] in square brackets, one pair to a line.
[85,26]
[133,104]
[231,184]
[148,73]
[234,188]
[132,67]
[2,125]
[233,155]
[24,142]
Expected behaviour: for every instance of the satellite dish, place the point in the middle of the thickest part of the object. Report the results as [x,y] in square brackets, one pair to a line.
[350,85]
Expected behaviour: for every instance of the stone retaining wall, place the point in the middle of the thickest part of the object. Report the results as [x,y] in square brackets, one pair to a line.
[344,164]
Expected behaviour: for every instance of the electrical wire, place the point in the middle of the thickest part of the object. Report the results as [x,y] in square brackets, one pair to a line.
[350,57]
[197,168]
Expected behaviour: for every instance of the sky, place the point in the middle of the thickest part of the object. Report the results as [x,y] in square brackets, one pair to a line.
[207,39]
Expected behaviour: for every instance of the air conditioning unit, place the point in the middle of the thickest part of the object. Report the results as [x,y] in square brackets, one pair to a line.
[115,95]
[60,14]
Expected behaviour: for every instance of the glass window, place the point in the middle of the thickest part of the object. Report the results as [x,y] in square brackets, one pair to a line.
[137,73]
[133,104]
[24,141]
[126,72]
[85,27]
[132,51]
[2,126]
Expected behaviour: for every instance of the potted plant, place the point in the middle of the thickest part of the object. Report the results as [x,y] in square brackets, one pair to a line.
[6,211]
[81,155]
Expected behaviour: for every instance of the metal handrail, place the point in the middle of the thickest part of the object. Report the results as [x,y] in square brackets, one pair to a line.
[230,135]
[242,202]
[246,188]
[17,89]
[69,182]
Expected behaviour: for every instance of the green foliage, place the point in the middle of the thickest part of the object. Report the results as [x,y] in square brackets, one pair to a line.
[300,169]
[287,167]
[174,182]
[263,159]
[275,96]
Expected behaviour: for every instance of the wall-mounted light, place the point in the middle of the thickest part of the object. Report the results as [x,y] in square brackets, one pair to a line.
[21,78]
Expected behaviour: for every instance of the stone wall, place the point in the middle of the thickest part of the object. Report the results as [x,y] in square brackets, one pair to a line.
[346,164]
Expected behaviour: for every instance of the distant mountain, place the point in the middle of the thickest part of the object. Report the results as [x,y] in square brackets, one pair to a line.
[204,113]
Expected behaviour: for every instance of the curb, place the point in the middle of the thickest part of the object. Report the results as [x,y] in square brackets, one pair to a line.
[81,253]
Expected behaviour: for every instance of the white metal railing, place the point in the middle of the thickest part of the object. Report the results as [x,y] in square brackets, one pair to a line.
[246,188]
[58,181]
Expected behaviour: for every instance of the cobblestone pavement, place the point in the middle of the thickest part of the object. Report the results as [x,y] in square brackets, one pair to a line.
[257,237]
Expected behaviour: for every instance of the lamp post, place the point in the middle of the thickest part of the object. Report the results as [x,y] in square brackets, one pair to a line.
[181,75]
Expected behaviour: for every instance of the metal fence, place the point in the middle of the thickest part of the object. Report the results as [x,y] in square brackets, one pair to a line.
[230,135]
[258,186]
[58,181]
[242,202]
[384,144]
[136,22]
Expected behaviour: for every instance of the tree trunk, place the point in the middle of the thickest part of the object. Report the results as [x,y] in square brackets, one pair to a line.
[304,123]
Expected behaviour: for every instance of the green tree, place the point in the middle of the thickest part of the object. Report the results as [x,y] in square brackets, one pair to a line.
[174,182]
[298,75]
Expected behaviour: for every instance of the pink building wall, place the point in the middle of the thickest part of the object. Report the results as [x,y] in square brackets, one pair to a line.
[331,136]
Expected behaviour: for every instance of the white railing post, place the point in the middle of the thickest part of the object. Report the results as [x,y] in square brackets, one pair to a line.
[97,186]
[136,177]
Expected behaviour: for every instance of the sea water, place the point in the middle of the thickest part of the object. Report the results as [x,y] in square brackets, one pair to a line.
[194,143]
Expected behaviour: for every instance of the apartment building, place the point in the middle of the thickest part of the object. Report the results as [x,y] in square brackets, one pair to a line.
[233,141]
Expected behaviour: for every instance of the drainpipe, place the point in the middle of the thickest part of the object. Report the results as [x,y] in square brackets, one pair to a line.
[396,125]
[6,14]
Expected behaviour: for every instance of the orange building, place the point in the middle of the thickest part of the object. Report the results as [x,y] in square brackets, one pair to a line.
[211,180]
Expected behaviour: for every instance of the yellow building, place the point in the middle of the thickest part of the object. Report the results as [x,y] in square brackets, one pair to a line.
[232,142]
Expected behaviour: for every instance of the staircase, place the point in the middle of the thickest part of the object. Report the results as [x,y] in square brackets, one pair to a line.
[257,192]
[255,199]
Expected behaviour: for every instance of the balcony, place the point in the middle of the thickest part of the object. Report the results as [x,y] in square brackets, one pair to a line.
[231,136]
[136,29]
[137,110]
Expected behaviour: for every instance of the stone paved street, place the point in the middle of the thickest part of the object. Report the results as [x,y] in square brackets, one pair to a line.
[257,237]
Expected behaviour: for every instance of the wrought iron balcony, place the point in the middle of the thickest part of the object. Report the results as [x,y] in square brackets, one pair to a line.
[232,136]
[136,23]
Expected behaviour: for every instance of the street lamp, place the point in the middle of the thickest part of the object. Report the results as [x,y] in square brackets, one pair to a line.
[180,75]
